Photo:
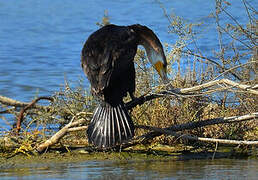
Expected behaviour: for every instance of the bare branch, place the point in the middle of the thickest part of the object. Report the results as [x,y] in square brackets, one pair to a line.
[56,137]
[81,128]
[247,88]
[235,67]
[191,125]
[195,138]
[222,141]
[11,102]
[190,92]
[221,120]
[21,115]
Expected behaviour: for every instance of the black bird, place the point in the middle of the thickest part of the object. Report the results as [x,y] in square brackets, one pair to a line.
[107,60]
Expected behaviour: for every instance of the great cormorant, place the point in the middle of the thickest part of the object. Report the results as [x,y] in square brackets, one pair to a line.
[107,60]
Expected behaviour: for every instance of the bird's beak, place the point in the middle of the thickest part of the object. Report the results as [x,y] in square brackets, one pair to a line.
[161,69]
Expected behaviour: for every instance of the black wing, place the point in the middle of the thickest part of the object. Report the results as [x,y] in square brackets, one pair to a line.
[107,50]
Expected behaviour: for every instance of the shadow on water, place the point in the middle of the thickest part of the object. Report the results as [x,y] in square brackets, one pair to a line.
[189,166]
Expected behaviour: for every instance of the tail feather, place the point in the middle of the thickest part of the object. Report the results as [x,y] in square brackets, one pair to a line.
[106,125]
[110,126]
[125,124]
[117,124]
[97,128]
[96,116]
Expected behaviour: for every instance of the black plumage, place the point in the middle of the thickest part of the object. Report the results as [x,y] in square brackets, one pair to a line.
[107,60]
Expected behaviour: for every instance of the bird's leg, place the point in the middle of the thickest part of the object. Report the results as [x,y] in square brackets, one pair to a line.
[133,98]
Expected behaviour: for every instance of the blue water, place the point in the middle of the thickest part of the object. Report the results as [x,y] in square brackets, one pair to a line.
[40,41]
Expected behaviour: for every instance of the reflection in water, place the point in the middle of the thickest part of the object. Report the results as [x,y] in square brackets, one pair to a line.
[192,169]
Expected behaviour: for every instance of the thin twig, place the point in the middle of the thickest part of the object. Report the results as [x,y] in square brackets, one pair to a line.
[240,26]
[214,62]
[230,69]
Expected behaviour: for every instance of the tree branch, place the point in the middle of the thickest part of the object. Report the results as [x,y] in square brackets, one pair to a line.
[195,91]
[31,104]
[191,125]
[195,138]
[82,119]
[214,62]
[11,102]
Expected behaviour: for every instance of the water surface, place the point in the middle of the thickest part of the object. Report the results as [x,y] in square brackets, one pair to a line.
[192,169]
[40,41]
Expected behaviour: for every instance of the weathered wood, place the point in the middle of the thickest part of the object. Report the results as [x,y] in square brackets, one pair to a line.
[193,125]
[11,102]
[57,136]
[187,126]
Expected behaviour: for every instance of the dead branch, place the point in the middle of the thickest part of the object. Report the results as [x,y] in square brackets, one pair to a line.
[143,99]
[223,82]
[187,126]
[195,138]
[214,140]
[82,128]
[221,120]
[197,124]
[57,136]
[220,85]
[11,102]
[31,104]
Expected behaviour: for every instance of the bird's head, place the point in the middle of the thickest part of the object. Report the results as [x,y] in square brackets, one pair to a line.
[153,48]
[159,62]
